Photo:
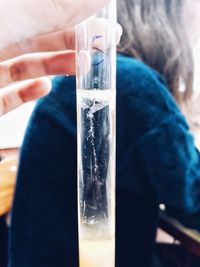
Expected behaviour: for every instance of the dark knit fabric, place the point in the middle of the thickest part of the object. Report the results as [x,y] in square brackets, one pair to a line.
[3,242]
[156,163]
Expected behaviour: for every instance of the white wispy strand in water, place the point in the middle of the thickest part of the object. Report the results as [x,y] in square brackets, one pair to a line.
[20,19]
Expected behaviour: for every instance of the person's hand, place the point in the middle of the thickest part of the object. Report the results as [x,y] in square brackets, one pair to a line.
[21,62]
[32,58]
[36,57]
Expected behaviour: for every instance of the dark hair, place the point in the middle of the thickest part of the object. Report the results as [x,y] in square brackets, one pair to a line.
[153,32]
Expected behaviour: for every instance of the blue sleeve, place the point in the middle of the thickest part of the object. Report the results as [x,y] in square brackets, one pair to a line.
[41,233]
[157,154]
[172,164]
[3,242]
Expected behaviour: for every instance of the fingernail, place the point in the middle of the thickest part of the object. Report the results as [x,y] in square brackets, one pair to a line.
[83,62]
[119,32]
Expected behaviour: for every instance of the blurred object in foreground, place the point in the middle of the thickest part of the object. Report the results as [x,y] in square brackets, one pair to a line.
[8,171]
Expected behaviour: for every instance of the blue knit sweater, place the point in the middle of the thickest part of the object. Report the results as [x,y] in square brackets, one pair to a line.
[157,162]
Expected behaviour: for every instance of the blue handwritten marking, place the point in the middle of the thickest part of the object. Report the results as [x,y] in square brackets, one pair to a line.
[97,37]
[99,50]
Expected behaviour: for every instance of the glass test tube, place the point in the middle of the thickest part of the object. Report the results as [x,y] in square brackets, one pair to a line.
[96,122]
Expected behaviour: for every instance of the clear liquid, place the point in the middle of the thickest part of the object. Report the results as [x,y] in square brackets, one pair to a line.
[96,175]
[99,253]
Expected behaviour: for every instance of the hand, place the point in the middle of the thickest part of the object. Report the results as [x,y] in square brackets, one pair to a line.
[18,60]
[24,65]
[33,58]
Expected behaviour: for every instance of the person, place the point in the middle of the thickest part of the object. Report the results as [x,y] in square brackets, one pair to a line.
[30,49]
[157,161]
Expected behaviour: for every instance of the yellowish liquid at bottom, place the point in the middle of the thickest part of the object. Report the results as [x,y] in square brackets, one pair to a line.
[100,253]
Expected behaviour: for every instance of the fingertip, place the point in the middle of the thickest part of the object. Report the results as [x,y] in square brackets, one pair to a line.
[44,84]
[119,32]
[84,62]
[35,89]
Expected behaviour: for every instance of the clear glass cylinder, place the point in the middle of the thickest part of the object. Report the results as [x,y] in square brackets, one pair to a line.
[96,123]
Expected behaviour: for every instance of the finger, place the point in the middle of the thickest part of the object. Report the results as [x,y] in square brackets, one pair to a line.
[33,66]
[119,32]
[16,95]
[55,41]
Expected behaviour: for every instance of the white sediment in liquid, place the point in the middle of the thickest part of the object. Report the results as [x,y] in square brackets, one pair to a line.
[97,253]
[96,230]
